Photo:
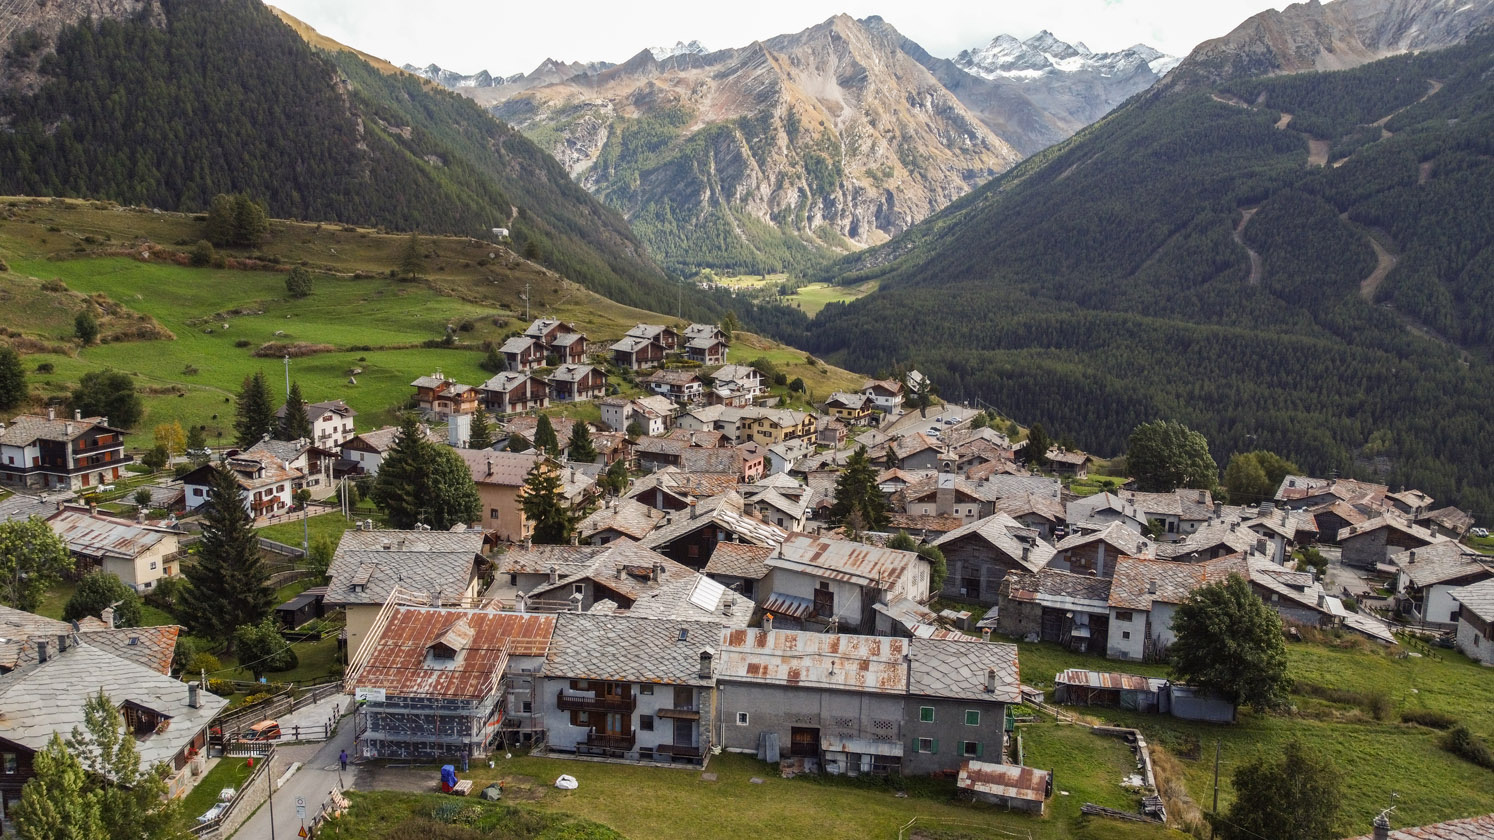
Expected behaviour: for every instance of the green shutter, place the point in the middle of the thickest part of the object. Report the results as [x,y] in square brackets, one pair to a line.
[935,750]
[980,749]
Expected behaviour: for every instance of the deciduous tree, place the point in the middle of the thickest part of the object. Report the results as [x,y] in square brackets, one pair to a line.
[298,282]
[108,393]
[86,327]
[171,436]
[33,559]
[229,584]
[100,589]
[412,259]
[262,649]
[1295,796]
[1229,642]
[1165,455]
[12,379]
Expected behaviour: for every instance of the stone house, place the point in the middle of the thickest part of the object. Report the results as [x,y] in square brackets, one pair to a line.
[1428,578]
[510,392]
[838,583]
[1475,633]
[1371,542]
[980,554]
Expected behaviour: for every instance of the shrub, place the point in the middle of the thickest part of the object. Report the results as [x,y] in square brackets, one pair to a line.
[167,593]
[243,342]
[202,661]
[222,688]
[46,367]
[258,697]
[1430,718]
[1461,742]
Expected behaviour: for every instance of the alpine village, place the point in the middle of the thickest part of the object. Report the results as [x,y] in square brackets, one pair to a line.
[808,438]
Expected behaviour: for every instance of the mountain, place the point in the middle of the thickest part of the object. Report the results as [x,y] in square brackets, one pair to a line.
[454,80]
[1299,262]
[767,157]
[166,103]
[679,48]
[1332,36]
[1038,92]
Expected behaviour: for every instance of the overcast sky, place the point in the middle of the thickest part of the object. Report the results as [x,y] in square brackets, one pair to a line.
[507,38]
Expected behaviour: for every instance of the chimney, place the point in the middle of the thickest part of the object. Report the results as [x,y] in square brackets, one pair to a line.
[61,642]
[990,680]
[1203,497]
[490,466]
[528,543]
[767,622]
[93,508]
[51,412]
[1151,587]
[554,575]
[706,667]
[77,414]
[576,602]
[694,511]
[41,650]
[1260,546]
[140,515]
[985,634]
[1219,508]
[1411,556]
[67,428]
[658,571]
[728,607]
[1026,552]
[194,696]
[1381,825]
[107,615]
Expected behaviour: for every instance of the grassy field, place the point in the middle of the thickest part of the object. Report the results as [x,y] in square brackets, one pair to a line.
[1379,757]
[812,297]
[661,804]
[325,525]
[820,379]
[475,288]
[227,773]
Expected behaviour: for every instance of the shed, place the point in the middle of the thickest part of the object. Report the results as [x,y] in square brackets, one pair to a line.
[1019,788]
[1190,704]
[1077,687]
[299,610]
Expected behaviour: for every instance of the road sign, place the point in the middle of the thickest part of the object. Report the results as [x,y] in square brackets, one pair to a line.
[301,807]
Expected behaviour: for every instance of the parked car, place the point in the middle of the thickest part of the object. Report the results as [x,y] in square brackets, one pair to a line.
[265,730]
[1479,532]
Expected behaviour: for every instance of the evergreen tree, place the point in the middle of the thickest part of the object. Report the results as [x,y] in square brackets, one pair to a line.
[229,584]
[132,798]
[294,424]
[1166,455]
[397,486]
[481,434]
[1038,444]
[518,443]
[580,448]
[1296,797]
[108,393]
[86,327]
[255,414]
[98,590]
[856,492]
[1229,642]
[196,444]
[545,439]
[298,282]
[412,259]
[251,223]
[219,226]
[938,565]
[615,479]
[33,559]
[12,379]
[449,494]
[54,805]
[545,508]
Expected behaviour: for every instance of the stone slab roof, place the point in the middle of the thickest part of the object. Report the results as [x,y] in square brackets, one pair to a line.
[369,565]
[616,648]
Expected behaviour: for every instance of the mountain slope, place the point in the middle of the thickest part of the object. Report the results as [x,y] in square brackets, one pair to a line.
[764,157]
[1302,262]
[168,102]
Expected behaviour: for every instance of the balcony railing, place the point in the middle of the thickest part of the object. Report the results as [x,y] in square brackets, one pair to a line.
[680,713]
[568,701]
[677,751]
[605,744]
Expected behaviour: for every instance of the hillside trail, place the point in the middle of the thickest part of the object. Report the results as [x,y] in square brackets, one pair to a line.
[1385,261]
[1255,259]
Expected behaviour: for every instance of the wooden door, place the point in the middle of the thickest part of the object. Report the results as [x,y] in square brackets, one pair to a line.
[804,741]
[824,602]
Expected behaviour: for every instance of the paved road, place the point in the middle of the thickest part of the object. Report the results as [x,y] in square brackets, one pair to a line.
[317,777]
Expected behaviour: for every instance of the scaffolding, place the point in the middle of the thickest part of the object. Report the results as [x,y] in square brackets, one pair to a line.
[428,727]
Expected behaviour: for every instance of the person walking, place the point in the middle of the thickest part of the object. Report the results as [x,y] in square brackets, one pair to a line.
[342,758]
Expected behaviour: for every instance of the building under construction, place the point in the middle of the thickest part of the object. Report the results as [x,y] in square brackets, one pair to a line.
[442,682]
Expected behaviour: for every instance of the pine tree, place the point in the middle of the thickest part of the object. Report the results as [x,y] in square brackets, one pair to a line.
[1038,444]
[580,448]
[251,223]
[12,379]
[53,804]
[219,227]
[545,439]
[229,585]
[481,434]
[255,415]
[196,443]
[294,424]
[397,487]
[545,508]
[412,260]
[131,798]
[856,492]
[615,479]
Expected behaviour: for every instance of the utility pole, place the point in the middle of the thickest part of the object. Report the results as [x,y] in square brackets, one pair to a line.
[526,300]
[287,376]
[1217,744]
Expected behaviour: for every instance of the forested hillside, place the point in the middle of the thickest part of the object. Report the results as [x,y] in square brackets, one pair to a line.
[1303,263]
[185,99]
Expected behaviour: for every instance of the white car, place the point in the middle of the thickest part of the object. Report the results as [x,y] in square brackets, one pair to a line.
[1479,532]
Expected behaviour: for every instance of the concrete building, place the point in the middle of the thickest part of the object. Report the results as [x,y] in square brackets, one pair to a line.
[500,480]
[140,555]
[47,453]
[1475,633]
[838,583]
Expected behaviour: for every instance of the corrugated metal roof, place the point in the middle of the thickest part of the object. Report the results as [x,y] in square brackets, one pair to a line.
[790,605]
[1012,782]
[852,562]
[103,536]
[1104,679]
[823,660]
[399,662]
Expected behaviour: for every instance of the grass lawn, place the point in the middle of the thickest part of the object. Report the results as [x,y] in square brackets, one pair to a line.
[1377,757]
[1095,485]
[56,599]
[820,380]
[330,525]
[662,804]
[228,772]
[1484,544]
[317,659]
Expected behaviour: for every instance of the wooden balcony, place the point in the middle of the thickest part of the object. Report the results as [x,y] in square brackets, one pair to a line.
[570,701]
[679,714]
[610,746]
[677,751]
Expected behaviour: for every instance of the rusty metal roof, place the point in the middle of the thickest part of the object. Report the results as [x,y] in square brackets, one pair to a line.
[815,660]
[1006,780]
[399,662]
[1104,679]
[93,535]
[843,560]
[790,605]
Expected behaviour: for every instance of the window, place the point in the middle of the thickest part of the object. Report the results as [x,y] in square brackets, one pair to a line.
[578,588]
[645,723]
[972,717]
[1125,634]
[926,714]
[970,749]
[11,764]
[492,513]
[741,718]
[153,565]
[928,745]
[645,689]
[526,707]
[1123,615]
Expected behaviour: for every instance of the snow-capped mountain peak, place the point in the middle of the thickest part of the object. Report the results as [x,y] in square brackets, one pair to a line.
[451,78]
[679,48]
[1006,57]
